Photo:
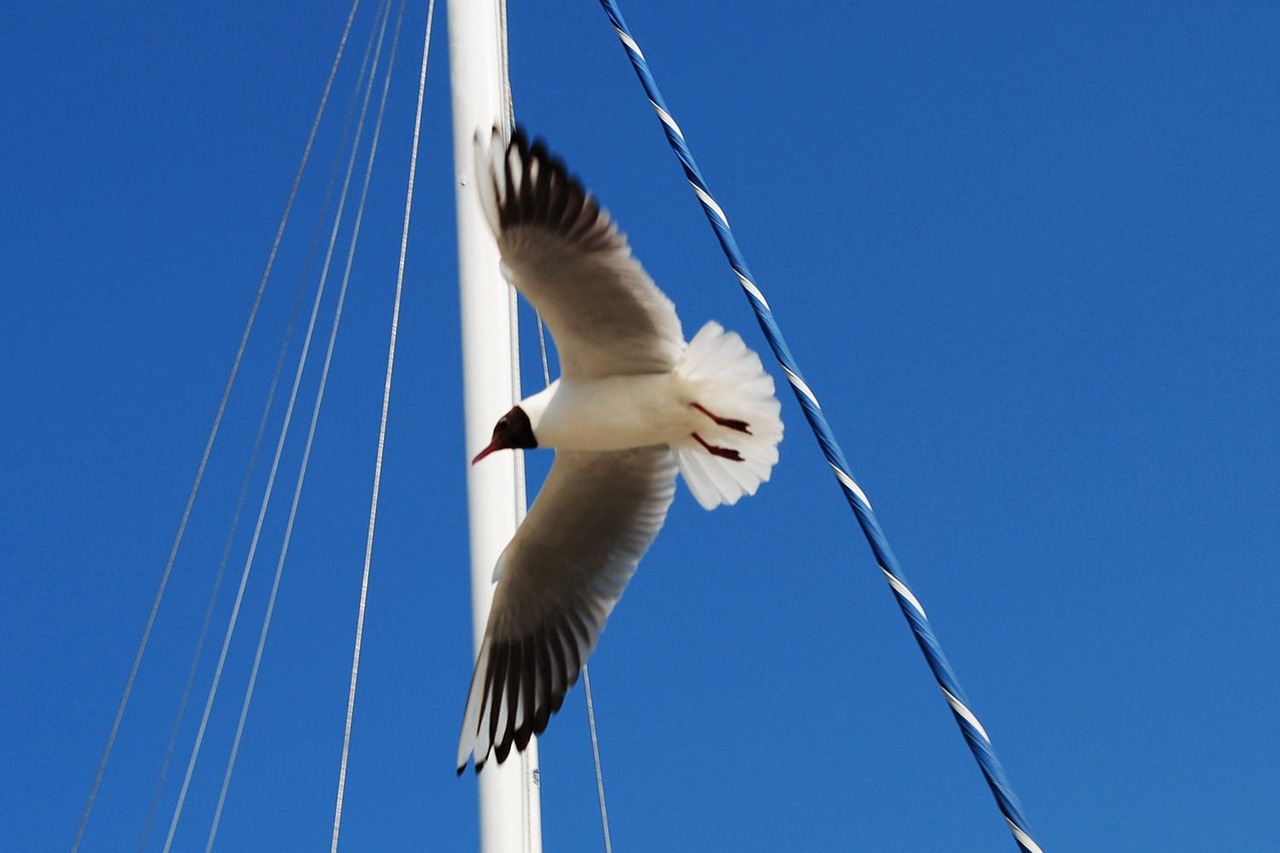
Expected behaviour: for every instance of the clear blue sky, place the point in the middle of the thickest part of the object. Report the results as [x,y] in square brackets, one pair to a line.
[1027,259]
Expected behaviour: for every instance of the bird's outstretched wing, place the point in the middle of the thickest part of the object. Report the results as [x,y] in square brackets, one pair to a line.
[558,580]
[563,252]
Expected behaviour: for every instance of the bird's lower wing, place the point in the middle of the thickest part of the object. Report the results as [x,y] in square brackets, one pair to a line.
[559,578]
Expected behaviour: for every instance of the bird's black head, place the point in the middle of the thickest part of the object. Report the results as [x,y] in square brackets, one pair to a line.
[512,431]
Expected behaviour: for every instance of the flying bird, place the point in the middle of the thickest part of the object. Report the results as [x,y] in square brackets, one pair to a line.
[634,405]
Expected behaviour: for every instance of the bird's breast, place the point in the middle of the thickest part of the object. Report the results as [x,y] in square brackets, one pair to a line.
[616,413]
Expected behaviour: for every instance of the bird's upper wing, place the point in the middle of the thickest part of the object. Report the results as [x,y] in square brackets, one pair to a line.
[563,252]
[559,578]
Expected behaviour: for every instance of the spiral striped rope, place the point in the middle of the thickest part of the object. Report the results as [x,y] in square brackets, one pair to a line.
[974,734]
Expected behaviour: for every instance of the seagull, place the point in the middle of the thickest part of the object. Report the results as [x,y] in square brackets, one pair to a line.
[634,405]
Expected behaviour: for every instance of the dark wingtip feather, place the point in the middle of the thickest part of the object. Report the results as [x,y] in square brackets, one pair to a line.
[538,670]
[545,193]
[502,749]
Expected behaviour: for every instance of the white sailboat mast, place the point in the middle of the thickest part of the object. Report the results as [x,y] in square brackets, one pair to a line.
[510,806]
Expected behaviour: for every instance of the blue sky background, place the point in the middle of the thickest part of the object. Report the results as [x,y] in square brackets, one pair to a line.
[1026,258]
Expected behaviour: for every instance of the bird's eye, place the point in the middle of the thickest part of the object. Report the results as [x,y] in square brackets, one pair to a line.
[503,423]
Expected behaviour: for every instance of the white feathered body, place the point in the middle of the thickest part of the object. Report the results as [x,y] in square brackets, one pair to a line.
[613,413]
[717,372]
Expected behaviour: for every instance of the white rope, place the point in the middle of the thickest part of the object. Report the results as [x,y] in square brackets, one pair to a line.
[266,498]
[319,399]
[208,447]
[382,428]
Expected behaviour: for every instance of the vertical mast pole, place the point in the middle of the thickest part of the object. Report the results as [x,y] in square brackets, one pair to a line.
[510,805]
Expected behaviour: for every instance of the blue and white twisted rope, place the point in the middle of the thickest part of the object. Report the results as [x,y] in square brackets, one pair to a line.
[974,734]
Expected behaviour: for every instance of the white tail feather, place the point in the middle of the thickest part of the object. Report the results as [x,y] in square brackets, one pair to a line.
[727,379]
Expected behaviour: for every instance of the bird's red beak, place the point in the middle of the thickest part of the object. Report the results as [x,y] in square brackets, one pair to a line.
[483,453]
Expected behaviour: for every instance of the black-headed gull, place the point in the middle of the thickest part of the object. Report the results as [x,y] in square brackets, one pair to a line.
[634,405]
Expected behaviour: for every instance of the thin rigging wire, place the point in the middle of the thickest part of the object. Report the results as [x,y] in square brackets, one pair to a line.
[542,350]
[224,560]
[595,755]
[275,464]
[382,428]
[311,429]
[208,447]
[974,734]
[586,672]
